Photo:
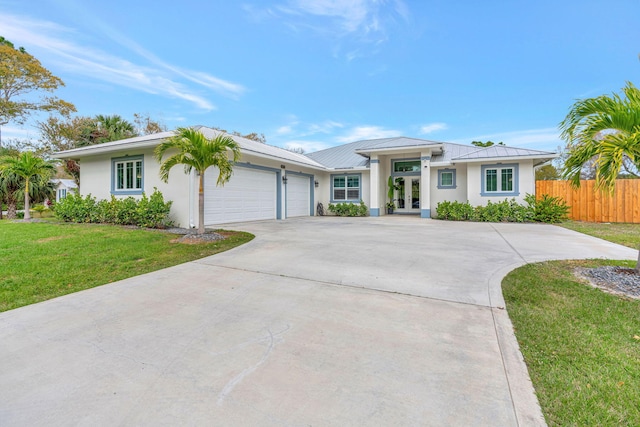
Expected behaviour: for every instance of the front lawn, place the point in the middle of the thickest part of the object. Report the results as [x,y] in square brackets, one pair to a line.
[581,345]
[623,234]
[40,261]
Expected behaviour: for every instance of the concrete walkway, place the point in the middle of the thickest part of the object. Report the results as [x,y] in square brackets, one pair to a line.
[318,321]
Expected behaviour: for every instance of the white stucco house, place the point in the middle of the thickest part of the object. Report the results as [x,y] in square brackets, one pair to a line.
[273,183]
[64,187]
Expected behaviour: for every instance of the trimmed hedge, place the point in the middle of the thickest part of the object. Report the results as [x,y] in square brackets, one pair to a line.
[149,212]
[349,209]
[548,209]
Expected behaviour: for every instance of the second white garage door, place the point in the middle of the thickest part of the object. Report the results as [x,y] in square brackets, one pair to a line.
[298,198]
[250,195]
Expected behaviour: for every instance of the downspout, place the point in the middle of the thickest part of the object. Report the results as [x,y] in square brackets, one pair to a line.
[191,180]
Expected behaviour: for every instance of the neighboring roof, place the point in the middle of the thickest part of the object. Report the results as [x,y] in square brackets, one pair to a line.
[69,183]
[146,141]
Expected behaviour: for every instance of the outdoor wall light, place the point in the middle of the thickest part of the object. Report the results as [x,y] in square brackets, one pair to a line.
[284,179]
[316,183]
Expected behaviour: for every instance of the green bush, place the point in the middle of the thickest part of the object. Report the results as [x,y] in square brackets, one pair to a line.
[349,209]
[150,212]
[547,209]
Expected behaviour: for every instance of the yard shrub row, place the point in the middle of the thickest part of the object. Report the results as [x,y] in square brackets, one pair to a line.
[548,209]
[349,209]
[149,212]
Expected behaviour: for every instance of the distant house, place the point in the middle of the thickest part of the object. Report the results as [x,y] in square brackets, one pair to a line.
[273,183]
[63,187]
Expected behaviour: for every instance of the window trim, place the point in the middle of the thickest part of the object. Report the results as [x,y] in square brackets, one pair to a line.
[130,191]
[62,193]
[453,185]
[346,194]
[408,173]
[499,167]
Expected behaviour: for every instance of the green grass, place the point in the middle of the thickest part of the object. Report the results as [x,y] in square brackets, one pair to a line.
[623,234]
[40,261]
[581,345]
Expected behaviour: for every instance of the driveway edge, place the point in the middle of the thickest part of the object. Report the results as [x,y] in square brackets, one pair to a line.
[525,402]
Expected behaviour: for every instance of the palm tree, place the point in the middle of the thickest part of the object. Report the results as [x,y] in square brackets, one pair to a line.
[9,192]
[196,151]
[605,130]
[113,128]
[28,167]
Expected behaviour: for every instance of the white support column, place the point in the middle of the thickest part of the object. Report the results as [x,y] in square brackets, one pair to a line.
[374,186]
[425,184]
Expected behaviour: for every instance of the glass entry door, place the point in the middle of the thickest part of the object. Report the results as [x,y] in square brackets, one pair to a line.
[407,194]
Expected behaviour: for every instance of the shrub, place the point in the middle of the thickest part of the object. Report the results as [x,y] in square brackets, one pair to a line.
[150,212]
[349,209]
[547,209]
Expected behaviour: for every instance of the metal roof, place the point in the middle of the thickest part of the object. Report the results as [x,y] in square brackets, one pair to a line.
[501,151]
[69,183]
[246,146]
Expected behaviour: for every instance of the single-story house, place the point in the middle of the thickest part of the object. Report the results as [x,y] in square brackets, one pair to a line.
[64,187]
[273,183]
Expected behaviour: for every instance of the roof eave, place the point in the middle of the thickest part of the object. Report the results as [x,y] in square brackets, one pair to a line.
[546,157]
[367,151]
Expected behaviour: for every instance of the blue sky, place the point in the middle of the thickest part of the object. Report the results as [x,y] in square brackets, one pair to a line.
[313,74]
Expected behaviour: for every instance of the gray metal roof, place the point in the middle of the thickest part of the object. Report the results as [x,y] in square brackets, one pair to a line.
[498,151]
[69,183]
[342,156]
[397,142]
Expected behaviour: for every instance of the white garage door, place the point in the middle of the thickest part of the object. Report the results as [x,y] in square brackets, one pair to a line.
[250,195]
[298,198]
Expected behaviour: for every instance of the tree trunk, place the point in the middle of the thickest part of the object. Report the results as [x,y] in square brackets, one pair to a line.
[11,208]
[201,204]
[27,214]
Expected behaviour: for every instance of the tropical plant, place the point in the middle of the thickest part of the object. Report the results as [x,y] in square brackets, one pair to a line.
[29,168]
[390,190]
[113,128]
[192,149]
[605,129]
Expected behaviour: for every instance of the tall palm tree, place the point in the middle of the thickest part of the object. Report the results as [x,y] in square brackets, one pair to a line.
[9,192]
[195,151]
[29,168]
[605,129]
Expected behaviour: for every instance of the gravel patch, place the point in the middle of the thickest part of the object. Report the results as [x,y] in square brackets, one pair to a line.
[617,280]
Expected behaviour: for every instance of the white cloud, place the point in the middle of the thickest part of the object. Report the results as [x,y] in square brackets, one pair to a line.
[55,44]
[360,133]
[327,126]
[284,130]
[433,127]
[540,139]
[12,132]
[361,22]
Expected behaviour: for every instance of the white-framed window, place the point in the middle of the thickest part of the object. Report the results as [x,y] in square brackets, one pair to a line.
[62,193]
[446,178]
[345,188]
[500,180]
[127,175]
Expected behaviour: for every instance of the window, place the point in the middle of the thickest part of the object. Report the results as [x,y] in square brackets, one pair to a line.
[406,166]
[127,175]
[500,180]
[62,193]
[345,188]
[446,178]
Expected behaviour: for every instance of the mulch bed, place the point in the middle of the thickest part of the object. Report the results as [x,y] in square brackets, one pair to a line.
[613,279]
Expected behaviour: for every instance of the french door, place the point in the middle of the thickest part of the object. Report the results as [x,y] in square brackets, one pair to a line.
[407,194]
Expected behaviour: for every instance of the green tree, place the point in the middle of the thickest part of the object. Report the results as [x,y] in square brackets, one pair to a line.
[21,76]
[145,125]
[29,168]
[547,173]
[485,144]
[605,130]
[114,128]
[193,150]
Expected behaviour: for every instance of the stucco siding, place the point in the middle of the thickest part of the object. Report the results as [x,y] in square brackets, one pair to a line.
[449,194]
[526,183]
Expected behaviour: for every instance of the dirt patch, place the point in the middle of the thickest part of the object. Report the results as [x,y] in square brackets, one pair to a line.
[615,280]
[196,239]
[50,239]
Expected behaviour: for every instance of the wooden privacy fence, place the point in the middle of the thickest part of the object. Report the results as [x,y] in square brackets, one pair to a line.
[595,206]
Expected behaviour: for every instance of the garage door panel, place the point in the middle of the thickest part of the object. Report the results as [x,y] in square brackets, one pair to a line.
[250,195]
[298,195]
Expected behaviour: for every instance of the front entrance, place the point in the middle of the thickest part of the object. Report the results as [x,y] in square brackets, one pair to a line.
[407,194]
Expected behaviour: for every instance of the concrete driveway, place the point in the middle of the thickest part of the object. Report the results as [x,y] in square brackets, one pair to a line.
[318,321]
